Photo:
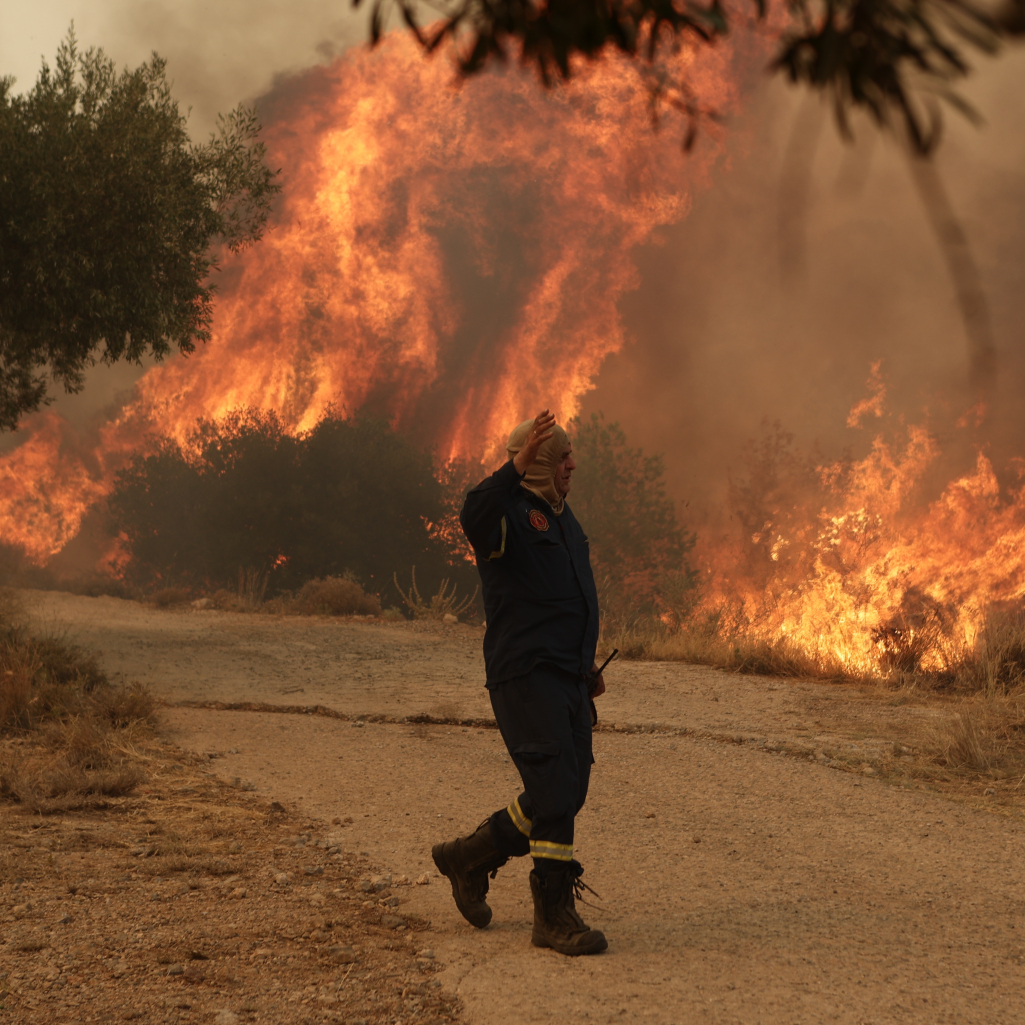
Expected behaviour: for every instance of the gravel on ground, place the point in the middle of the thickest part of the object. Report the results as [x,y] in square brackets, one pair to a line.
[742,877]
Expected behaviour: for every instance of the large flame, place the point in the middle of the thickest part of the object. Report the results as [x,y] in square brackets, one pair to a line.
[453,258]
[450,257]
[858,569]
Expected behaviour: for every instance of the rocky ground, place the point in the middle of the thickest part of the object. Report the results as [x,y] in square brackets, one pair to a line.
[765,851]
[197,901]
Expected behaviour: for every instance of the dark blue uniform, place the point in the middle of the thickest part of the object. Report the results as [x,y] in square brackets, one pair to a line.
[542,615]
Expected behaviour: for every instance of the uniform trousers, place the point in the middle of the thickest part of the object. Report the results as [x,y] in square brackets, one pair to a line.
[545,721]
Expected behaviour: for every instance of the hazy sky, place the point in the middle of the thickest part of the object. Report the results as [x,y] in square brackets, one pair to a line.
[218,53]
[725,339]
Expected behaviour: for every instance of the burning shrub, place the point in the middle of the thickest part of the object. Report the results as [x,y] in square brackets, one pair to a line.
[347,496]
[881,566]
[334,596]
[996,663]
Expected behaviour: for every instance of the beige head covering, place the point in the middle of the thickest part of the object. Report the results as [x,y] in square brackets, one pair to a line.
[540,475]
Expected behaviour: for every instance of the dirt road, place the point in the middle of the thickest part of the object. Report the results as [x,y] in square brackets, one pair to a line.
[738,884]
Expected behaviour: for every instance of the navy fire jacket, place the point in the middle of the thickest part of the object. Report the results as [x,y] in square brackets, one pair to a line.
[535,571]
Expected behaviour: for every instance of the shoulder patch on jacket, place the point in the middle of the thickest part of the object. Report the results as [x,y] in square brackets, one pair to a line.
[538,520]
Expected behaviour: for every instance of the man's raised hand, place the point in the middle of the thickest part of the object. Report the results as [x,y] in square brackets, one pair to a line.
[539,434]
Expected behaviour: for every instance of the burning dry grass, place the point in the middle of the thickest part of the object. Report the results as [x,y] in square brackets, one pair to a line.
[993,666]
[70,736]
[707,642]
[978,735]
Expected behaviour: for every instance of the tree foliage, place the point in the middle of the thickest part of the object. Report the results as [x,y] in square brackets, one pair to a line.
[638,547]
[889,57]
[350,495]
[776,501]
[108,213]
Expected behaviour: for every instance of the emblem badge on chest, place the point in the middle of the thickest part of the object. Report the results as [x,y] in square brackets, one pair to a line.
[538,520]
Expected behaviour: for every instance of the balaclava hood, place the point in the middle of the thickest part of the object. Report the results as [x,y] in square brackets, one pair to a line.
[540,476]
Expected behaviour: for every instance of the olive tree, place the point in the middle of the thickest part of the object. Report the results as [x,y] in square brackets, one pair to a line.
[111,220]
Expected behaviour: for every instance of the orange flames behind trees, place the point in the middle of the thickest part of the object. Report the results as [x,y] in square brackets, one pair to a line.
[452,258]
[448,257]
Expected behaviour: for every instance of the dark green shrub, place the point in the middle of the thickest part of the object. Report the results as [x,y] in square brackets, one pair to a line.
[349,497]
[638,547]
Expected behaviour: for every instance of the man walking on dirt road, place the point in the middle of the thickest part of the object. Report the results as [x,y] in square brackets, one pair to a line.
[542,630]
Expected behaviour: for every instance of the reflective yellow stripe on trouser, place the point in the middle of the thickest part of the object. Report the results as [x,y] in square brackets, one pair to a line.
[520,821]
[555,851]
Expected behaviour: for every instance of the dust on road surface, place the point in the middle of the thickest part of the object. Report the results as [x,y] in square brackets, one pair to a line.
[737,885]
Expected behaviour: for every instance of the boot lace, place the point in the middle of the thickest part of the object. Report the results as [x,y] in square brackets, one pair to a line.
[579,886]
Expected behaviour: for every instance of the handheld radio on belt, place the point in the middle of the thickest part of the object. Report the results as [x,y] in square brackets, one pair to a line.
[592,682]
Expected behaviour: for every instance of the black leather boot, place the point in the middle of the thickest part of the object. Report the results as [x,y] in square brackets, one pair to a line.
[556,922]
[466,863]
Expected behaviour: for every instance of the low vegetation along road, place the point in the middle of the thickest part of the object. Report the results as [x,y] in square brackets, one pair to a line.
[759,856]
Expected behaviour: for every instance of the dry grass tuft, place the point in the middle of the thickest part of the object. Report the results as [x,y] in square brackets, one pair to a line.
[252,587]
[327,596]
[227,601]
[12,609]
[334,596]
[985,737]
[125,706]
[76,732]
[169,597]
[48,785]
[43,679]
[440,605]
[967,745]
[74,764]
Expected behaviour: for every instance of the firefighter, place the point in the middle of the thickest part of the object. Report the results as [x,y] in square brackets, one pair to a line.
[539,647]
